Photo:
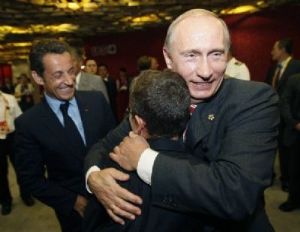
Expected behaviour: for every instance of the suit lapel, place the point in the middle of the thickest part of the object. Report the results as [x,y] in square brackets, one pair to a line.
[51,121]
[84,114]
[199,125]
[204,117]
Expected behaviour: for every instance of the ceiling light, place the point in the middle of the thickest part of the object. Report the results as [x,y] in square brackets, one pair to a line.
[240,9]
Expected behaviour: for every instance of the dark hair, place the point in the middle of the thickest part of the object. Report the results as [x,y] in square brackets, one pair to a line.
[90,58]
[42,48]
[103,65]
[162,99]
[286,44]
[144,63]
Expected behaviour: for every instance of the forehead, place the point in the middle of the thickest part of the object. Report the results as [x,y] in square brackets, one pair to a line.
[202,31]
[276,45]
[57,62]
[91,62]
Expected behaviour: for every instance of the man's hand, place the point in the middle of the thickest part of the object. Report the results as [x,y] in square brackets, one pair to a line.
[80,204]
[118,202]
[129,151]
[297,127]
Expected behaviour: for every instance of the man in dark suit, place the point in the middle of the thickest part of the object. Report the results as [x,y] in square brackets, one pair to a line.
[163,131]
[290,111]
[278,76]
[111,86]
[231,139]
[55,135]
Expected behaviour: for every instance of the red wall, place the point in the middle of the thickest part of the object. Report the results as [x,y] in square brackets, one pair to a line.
[252,36]
[130,46]
[5,72]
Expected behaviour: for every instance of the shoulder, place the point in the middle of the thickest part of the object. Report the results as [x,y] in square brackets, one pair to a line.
[237,62]
[9,97]
[90,96]
[30,116]
[294,80]
[241,90]
[294,62]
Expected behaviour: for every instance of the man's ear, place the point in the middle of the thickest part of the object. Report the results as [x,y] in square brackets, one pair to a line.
[140,123]
[38,79]
[167,57]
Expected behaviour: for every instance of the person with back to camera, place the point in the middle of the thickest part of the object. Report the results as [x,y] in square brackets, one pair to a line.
[158,111]
[230,138]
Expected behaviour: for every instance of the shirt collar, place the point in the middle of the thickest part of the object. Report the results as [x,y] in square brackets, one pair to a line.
[55,103]
[285,62]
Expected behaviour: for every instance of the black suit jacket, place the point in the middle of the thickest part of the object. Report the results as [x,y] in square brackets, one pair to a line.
[290,109]
[292,68]
[231,139]
[40,145]
[153,218]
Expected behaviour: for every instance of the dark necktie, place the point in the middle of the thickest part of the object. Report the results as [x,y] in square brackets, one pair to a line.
[276,76]
[71,130]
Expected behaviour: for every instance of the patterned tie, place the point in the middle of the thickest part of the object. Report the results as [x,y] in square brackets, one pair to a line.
[71,129]
[276,77]
[192,108]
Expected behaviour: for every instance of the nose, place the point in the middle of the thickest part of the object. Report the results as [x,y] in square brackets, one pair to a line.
[70,79]
[203,68]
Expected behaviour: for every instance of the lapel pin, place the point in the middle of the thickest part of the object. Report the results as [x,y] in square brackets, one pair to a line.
[211,117]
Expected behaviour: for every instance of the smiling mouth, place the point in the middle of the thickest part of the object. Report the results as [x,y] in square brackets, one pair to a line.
[202,85]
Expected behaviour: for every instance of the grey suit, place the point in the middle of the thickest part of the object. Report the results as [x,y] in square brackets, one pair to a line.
[92,82]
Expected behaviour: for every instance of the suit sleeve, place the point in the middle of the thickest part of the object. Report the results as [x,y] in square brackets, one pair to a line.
[98,154]
[228,184]
[101,87]
[287,99]
[31,172]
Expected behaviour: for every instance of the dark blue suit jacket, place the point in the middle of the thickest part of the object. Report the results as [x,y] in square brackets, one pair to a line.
[153,217]
[231,140]
[40,145]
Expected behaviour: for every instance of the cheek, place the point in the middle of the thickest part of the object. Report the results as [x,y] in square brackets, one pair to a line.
[185,69]
[219,67]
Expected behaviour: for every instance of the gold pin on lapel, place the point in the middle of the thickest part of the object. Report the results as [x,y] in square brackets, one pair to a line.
[211,117]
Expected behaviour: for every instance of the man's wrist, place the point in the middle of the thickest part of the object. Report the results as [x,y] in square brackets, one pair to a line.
[91,169]
[145,165]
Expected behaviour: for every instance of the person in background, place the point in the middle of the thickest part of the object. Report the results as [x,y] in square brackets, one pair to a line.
[9,111]
[290,111]
[24,93]
[86,81]
[230,139]
[55,135]
[236,68]
[278,75]
[154,63]
[91,66]
[111,87]
[8,86]
[143,64]
[122,93]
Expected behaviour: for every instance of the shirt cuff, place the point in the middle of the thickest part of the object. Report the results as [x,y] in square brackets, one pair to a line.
[91,169]
[145,165]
